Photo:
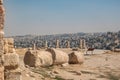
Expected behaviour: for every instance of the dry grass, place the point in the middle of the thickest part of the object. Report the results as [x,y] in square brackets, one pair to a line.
[21,51]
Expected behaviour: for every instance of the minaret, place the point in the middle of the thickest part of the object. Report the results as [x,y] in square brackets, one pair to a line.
[2,14]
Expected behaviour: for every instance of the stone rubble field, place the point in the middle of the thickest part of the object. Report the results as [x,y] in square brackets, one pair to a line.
[102,65]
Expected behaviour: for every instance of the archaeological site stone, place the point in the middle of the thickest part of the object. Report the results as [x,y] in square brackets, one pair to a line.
[13,76]
[76,57]
[59,57]
[36,58]
[11,61]
[8,45]
[2,13]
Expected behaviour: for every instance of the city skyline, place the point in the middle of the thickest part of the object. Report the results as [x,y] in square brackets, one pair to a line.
[46,17]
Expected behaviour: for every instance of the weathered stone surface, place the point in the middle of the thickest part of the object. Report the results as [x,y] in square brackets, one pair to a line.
[59,57]
[1,27]
[76,57]
[1,1]
[5,46]
[2,13]
[1,73]
[8,45]
[2,10]
[13,76]
[35,58]
[1,34]
[1,47]
[65,64]
[1,60]
[11,61]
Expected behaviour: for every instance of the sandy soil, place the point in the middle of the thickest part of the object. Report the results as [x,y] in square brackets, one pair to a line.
[103,65]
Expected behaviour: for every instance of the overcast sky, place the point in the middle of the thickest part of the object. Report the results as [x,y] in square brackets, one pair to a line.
[61,16]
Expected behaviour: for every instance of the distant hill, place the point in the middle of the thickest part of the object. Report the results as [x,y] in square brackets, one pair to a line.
[100,40]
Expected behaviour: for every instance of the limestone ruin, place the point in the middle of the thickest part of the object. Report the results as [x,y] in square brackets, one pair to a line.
[8,45]
[76,57]
[59,57]
[2,14]
[11,60]
[34,58]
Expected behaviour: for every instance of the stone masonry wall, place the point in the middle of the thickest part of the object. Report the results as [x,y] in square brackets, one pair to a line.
[2,13]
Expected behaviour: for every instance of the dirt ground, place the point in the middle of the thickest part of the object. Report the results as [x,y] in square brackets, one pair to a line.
[103,66]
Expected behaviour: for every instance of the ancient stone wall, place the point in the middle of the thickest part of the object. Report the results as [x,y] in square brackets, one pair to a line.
[11,60]
[2,13]
[8,45]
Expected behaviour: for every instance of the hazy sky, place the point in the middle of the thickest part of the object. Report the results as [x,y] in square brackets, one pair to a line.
[61,16]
